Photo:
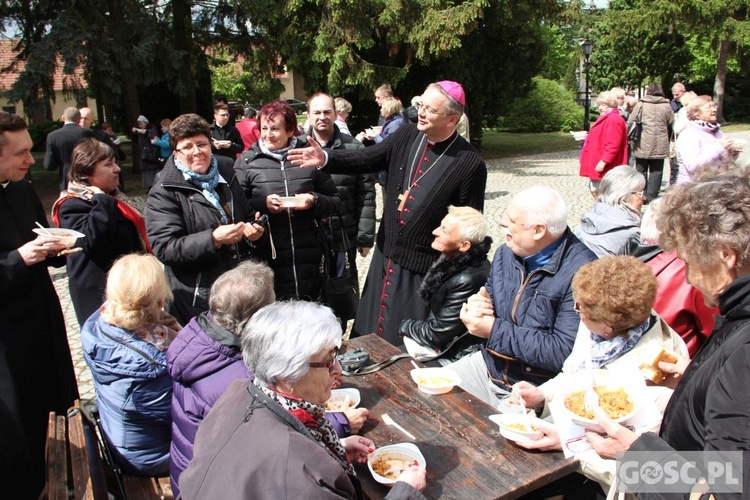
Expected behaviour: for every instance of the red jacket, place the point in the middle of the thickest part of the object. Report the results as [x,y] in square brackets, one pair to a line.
[249,131]
[680,304]
[608,141]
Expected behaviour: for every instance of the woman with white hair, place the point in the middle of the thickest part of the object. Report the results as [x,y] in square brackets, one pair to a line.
[606,144]
[615,218]
[460,271]
[268,438]
[702,143]
[124,345]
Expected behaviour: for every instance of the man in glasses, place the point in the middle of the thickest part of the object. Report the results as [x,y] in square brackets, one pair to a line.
[225,138]
[429,168]
[526,310]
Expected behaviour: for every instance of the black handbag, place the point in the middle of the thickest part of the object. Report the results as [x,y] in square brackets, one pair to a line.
[341,293]
[636,127]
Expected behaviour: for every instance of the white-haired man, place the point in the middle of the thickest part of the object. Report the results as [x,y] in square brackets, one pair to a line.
[526,310]
[460,271]
[429,167]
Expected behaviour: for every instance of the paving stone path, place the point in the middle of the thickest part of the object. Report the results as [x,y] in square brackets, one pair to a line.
[506,176]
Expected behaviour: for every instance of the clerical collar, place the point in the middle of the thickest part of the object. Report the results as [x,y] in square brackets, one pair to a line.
[542,257]
[433,143]
[5,184]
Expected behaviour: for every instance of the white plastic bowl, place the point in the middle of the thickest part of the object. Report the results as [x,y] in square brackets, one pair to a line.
[339,395]
[506,420]
[67,237]
[407,452]
[292,201]
[435,380]
[580,382]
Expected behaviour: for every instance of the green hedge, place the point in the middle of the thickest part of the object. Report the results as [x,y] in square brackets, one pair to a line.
[39,131]
[548,107]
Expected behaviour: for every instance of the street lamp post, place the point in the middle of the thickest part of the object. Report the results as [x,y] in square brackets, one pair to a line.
[587,45]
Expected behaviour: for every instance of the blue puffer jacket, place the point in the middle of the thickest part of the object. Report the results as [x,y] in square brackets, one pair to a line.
[535,323]
[134,393]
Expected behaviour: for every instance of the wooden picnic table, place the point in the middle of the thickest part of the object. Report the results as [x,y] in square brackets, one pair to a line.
[466,456]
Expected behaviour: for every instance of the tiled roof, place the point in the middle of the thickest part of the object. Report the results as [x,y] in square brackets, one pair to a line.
[7,78]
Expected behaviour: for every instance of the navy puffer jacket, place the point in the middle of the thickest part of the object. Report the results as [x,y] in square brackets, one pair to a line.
[535,321]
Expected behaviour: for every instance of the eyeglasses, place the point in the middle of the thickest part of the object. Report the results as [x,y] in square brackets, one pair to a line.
[639,194]
[190,148]
[428,110]
[326,364]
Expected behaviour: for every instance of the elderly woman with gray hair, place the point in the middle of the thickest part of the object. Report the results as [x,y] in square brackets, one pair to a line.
[205,359]
[615,218]
[708,224]
[268,438]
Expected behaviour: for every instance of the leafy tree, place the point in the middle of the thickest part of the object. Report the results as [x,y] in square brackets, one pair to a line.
[548,107]
[245,80]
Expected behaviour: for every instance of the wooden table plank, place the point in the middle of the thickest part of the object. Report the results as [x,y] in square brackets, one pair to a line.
[466,456]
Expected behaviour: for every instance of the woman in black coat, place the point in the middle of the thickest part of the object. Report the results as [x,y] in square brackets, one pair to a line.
[460,271]
[708,223]
[195,217]
[111,226]
[294,246]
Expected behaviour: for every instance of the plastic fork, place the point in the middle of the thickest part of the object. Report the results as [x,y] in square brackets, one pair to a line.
[389,421]
[590,397]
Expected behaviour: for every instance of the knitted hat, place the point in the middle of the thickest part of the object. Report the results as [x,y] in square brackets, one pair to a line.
[455,90]
[143,119]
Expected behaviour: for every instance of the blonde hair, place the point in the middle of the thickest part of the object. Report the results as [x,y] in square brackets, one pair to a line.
[343,107]
[473,226]
[137,291]
[391,106]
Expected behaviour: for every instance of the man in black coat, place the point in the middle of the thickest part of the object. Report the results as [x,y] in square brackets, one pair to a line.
[225,138]
[60,144]
[357,191]
[36,371]
[429,168]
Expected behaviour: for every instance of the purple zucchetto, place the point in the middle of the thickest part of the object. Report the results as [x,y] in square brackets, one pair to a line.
[455,90]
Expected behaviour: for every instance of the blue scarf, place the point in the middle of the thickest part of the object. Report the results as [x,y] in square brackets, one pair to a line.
[604,351]
[207,183]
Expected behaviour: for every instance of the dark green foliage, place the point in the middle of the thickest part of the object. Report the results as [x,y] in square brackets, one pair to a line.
[38,132]
[548,107]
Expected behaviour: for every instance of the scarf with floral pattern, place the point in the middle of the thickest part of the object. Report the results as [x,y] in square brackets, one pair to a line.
[312,417]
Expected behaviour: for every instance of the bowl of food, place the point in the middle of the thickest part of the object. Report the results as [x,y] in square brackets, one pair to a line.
[517,427]
[223,143]
[67,237]
[616,397]
[343,399]
[292,201]
[435,380]
[388,462]
[579,135]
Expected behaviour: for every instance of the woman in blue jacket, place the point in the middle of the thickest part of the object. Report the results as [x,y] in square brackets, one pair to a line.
[125,346]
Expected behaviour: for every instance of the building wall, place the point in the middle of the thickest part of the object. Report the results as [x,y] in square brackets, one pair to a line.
[61,102]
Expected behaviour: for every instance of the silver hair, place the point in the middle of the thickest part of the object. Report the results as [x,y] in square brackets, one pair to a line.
[238,294]
[543,205]
[280,339]
[72,115]
[607,98]
[452,107]
[342,106]
[473,226]
[649,230]
[618,184]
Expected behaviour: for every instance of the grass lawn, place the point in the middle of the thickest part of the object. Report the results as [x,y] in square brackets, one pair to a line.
[505,144]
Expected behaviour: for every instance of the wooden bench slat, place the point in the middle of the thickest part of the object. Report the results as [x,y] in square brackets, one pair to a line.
[57,459]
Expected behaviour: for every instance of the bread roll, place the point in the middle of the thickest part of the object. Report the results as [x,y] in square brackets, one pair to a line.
[651,371]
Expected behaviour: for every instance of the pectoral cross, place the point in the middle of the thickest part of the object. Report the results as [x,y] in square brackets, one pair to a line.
[402,198]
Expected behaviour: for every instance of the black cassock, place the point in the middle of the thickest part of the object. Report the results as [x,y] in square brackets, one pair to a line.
[36,371]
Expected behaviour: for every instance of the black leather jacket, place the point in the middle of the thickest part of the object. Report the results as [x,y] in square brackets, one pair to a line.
[446,286]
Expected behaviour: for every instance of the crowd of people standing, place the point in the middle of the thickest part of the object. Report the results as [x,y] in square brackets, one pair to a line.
[192,311]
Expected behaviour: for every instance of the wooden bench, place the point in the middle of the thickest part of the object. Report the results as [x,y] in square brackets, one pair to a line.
[75,463]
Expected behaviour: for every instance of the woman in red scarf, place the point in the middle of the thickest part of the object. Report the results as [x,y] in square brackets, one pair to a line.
[112,226]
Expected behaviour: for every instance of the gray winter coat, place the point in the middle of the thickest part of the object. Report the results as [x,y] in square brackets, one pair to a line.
[606,229]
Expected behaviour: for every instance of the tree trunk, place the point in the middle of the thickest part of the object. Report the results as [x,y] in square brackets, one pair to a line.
[721,78]
[183,41]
